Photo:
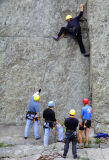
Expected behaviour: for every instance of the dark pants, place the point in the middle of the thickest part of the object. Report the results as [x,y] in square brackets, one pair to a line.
[72,139]
[78,37]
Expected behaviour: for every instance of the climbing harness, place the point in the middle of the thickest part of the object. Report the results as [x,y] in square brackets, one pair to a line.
[68,135]
[83,124]
[46,125]
[49,124]
[32,116]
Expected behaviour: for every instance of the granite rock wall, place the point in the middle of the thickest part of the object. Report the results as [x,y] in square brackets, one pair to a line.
[30,59]
[98,23]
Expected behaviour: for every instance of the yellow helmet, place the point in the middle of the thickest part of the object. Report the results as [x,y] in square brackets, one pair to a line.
[72,112]
[68,17]
[36,97]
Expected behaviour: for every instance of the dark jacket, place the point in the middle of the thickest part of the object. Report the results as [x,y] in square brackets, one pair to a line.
[49,115]
[71,124]
[74,22]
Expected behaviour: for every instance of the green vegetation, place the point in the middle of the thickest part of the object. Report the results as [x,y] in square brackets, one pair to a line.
[84,141]
[64,129]
[89,142]
[5,145]
[97,141]
[1,145]
[62,123]
[25,155]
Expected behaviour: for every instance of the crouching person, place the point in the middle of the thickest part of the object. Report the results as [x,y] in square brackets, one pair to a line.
[32,116]
[50,122]
[71,124]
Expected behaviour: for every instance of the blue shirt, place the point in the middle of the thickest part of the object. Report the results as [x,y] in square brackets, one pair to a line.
[33,105]
[86,112]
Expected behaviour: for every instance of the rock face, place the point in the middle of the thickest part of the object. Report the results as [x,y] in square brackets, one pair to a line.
[30,59]
[98,21]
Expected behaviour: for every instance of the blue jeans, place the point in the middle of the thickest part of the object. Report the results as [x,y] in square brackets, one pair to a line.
[46,134]
[35,125]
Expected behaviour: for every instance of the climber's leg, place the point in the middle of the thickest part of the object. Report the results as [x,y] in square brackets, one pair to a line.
[61,34]
[80,42]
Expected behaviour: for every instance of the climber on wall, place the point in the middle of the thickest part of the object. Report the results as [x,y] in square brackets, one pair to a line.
[86,113]
[71,124]
[50,123]
[73,27]
[33,115]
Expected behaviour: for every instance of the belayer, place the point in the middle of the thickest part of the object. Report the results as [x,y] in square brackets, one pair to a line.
[50,123]
[73,28]
[86,113]
[33,115]
[71,125]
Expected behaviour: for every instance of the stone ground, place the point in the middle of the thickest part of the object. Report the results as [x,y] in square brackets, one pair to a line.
[14,147]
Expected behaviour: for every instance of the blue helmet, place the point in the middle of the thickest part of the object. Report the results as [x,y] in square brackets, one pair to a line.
[51,104]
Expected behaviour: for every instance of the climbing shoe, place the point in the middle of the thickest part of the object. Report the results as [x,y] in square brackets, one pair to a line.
[56,38]
[80,146]
[61,140]
[63,156]
[38,138]
[86,145]
[86,54]
[76,157]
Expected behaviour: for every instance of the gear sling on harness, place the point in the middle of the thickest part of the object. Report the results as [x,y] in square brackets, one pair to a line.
[31,115]
[74,133]
[49,124]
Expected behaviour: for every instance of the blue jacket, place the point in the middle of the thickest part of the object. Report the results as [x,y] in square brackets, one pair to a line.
[74,22]
[33,105]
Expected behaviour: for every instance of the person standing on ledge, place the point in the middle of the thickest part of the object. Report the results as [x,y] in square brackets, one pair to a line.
[50,123]
[33,115]
[73,28]
[71,125]
[86,113]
